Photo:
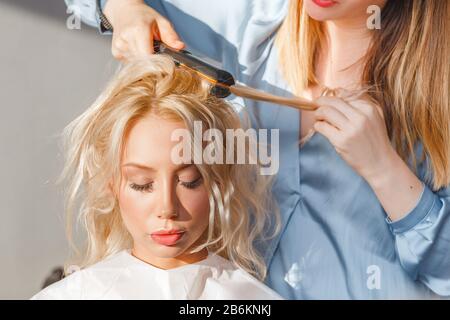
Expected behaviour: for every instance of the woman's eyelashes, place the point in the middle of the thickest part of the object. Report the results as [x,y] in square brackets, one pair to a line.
[192,184]
[148,187]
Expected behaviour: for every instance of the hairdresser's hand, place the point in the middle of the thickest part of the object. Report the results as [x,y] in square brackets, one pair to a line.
[358,132]
[135,26]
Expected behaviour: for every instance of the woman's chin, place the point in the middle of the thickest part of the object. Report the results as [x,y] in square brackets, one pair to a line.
[167,252]
[321,14]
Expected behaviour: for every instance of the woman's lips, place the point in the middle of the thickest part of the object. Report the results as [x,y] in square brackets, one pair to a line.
[324,3]
[167,238]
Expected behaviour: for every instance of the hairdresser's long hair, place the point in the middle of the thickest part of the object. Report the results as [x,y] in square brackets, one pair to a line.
[241,208]
[407,66]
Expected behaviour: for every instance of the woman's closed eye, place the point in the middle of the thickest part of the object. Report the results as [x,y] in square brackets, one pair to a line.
[148,187]
[192,184]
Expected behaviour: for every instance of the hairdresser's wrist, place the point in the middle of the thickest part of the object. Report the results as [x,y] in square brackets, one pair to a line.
[395,185]
[113,8]
[380,170]
[379,162]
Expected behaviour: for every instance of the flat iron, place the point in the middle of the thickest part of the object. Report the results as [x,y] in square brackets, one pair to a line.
[223,83]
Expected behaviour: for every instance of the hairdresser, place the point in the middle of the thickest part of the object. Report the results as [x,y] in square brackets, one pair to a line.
[365,199]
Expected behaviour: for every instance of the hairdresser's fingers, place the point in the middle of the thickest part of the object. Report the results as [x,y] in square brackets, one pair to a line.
[333,116]
[370,109]
[121,44]
[361,101]
[119,48]
[121,56]
[133,51]
[168,35]
[345,108]
[349,94]
[143,41]
[153,36]
[329,131]
[130,35]
[142,45]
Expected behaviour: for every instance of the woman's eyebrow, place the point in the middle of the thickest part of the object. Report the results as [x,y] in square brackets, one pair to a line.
[185,166]
[138,166]
[147,168]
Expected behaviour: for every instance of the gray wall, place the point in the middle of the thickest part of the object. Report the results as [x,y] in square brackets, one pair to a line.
[48,75]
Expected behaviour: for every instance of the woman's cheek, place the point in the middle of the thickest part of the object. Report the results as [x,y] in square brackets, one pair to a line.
[134,208]
[196,204]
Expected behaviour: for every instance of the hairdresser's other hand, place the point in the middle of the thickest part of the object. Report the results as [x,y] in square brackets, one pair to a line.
[357,131]
[135,26]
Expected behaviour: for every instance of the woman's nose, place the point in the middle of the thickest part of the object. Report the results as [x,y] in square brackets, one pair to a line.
[168,214]
[168,201]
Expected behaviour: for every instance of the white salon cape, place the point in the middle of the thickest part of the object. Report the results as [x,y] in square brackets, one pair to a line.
[123,276]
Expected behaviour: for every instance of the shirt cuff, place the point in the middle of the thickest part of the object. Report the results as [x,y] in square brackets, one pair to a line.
[424,206]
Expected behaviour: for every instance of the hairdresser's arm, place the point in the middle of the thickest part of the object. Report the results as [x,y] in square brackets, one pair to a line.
[422,228]
[219,30]
[135,25]
[422,240]
[418,217]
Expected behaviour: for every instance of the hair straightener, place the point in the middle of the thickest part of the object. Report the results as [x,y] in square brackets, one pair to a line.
[223,83]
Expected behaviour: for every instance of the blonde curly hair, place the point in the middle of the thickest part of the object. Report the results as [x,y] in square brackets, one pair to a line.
[242,210]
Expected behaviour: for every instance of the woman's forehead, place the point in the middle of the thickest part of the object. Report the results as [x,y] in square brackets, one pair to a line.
[150,142]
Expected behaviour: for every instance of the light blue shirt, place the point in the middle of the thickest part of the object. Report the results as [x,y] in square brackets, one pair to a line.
[336,242]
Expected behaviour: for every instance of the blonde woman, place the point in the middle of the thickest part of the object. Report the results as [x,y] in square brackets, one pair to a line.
[158,228]
[365,201]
